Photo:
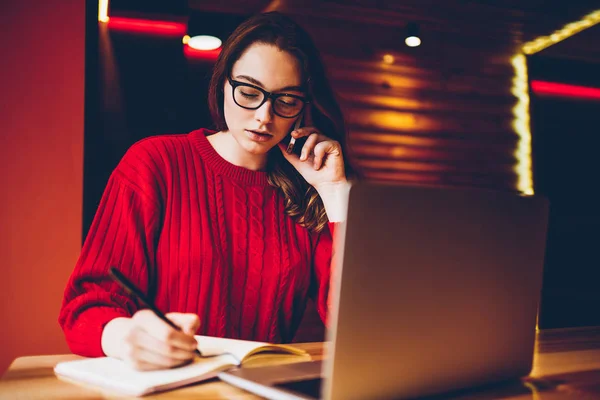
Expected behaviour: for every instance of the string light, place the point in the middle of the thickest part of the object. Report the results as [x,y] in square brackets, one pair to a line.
[520,89]
[565,32]
[521,125]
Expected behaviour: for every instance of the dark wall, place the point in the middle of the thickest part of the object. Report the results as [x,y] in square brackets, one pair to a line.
[137,86]
[566,139]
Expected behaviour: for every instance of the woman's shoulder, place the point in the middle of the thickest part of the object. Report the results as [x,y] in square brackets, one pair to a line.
[161,150]
[165,144]
[156,156]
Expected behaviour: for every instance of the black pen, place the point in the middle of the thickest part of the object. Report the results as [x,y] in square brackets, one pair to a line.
[131,288]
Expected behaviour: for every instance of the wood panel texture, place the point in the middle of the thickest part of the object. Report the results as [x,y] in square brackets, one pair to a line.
[440,114]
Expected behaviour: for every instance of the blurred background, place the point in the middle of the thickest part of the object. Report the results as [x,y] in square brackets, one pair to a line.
[465,108]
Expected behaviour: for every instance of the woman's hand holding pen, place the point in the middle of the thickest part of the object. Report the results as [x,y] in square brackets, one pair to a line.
[146,342]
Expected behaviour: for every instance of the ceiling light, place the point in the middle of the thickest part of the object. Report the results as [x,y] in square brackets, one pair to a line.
[412,38]
[204,42]
[412,41]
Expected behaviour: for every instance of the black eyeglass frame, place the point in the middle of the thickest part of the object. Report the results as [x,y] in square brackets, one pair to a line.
[267,95]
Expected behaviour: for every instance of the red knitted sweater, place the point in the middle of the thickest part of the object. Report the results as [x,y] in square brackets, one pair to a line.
[198,235]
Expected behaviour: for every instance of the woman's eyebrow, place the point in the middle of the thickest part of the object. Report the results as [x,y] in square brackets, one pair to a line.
[259,83]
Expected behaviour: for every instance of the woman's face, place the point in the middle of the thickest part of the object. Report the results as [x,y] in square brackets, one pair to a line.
[269,68]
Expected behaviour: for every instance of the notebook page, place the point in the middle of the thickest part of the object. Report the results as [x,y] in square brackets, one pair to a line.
[115,374]
[241,349]
[209,345]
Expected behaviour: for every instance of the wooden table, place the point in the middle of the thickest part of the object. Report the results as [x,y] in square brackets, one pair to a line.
[566,366]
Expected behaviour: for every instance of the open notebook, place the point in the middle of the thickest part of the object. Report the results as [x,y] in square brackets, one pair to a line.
[115,375]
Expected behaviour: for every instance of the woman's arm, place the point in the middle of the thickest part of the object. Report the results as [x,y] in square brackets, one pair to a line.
[323,256]
[121,235]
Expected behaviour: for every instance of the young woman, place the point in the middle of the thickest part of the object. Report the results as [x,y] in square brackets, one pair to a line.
[224,230]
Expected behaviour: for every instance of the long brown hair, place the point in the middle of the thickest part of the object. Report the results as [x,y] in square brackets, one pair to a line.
[302,201]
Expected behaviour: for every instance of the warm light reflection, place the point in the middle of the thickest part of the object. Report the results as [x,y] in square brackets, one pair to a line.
[391,120]
[413,178]
[535,394]
[103,10]
[405,153]
[521,125]
[388,58]
[400,166]
[568,30]
[206,55]
[396,139]
[389,80]
[390,102]
[564,90]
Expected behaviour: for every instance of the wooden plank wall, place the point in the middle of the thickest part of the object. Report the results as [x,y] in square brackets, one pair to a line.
[408,123]
[440,114]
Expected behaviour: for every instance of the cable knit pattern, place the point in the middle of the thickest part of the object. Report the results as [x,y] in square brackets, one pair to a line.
[285,274]
[222,285]
[200,235]
[275,247]
[240,255]
[255,260]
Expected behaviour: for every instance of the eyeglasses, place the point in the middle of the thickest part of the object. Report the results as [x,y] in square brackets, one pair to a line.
[252,97]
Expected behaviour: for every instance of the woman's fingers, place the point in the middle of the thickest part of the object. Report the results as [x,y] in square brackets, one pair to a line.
[163,332]
[189,323]
[141,357]
[321,151]
[304,131]
[142,340]
[320,158]
[309,146]
[152,344]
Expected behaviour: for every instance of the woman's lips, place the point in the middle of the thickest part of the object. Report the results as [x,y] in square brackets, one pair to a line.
[258,137]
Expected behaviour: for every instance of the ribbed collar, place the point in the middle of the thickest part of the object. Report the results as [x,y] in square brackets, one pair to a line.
[222,166]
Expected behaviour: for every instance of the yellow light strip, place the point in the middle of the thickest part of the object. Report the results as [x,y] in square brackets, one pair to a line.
[521,125]
[568,30]
[520,88]
[535,393]
[103,11]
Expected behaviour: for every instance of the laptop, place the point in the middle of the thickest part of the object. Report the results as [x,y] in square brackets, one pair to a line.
[435,290]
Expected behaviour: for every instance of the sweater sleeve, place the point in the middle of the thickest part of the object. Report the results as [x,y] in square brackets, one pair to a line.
[122,235]
[322,264]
